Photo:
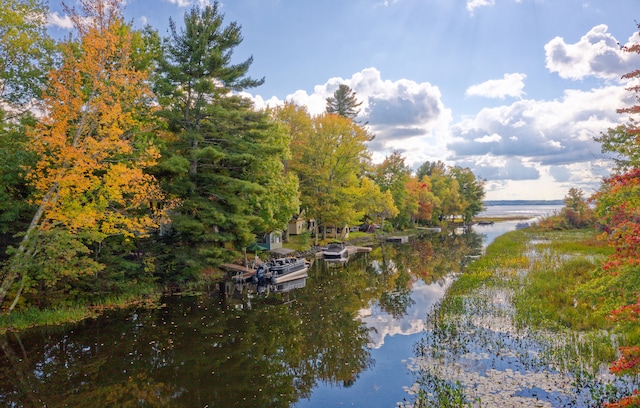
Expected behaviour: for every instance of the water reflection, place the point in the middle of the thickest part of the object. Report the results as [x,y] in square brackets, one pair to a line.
[243,346]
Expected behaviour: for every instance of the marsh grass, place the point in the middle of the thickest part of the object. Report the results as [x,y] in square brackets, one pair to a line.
[518,304]
[146,296]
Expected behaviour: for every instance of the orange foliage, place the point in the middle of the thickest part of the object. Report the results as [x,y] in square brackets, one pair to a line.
[86,144]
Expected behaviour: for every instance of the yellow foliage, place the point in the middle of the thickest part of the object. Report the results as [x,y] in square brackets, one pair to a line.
[89,175]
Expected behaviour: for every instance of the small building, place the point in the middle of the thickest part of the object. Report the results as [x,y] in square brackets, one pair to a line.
[271,240]
[335,232]
[296,226]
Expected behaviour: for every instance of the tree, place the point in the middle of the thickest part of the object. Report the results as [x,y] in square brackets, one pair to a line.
[392,175]
[576,209]
[428,168]
[374,203]
[89,178]
[471,191]
[328,161]
[447,191]
[344,102]
[223,162]
[25,55]
[424,199]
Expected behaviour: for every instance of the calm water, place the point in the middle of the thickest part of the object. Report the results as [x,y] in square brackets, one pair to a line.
[341,337]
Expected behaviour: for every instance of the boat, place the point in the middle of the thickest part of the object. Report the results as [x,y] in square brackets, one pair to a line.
[281,270]
[336,252]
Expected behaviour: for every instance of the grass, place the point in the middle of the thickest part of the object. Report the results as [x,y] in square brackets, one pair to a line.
[32,317]
[538,275]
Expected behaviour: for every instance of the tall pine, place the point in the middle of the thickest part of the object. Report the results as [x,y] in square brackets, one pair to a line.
[223,165]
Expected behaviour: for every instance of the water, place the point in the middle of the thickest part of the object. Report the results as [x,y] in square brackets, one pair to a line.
[342,337]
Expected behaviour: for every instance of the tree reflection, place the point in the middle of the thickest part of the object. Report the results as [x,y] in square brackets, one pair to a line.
[251,350]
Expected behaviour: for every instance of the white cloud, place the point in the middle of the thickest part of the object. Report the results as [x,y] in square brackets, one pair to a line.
[548,142]
[511,85]
[596,54]
[474,4]
[56,20]
[488,138]
[188,3]
[404,115]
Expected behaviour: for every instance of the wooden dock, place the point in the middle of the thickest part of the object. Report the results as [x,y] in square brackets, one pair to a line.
[238,273]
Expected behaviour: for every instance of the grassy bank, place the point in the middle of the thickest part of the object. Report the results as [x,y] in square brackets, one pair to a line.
[147,296]
[520,310]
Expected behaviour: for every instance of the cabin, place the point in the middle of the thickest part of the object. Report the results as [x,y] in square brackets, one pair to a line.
[299,224]
[271,240]
[335,232]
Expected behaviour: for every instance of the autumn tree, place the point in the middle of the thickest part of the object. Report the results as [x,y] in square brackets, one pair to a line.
[344,102]
[424,199]
[471,191]
[375,204]
[327,158]
[392,175]
[224,161]
[89,179]
[618,210]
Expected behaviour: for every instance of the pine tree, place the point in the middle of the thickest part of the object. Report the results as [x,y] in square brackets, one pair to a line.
[224,164]
[344,102]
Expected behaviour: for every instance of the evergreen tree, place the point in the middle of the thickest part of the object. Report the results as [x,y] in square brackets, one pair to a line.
[344,102]
[223,164]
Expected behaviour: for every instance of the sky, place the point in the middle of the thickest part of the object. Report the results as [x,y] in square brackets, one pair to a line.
[515,90]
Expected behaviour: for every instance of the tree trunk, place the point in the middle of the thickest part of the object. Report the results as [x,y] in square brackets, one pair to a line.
[24,250]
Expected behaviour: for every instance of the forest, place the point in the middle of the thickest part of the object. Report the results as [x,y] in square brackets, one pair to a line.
[131,163]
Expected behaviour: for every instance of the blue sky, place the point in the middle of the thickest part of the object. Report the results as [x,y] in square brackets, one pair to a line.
[513,89]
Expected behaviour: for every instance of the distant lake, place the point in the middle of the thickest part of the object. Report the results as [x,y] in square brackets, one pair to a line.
[529,211]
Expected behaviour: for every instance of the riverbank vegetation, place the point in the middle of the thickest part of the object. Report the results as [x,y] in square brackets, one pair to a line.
[526,306]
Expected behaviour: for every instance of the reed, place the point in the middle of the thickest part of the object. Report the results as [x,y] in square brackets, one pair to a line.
[142,295]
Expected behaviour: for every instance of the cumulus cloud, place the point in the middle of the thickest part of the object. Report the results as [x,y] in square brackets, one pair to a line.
[511,85]
[547,132]
[56,20]
[596,54]
[405,116]
[513,146]
[539,140]
[474,4]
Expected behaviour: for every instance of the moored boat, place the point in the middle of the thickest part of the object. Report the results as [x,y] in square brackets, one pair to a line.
[336,252]
[281,270]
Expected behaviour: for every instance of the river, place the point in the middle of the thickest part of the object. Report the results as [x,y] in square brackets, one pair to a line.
[344,336]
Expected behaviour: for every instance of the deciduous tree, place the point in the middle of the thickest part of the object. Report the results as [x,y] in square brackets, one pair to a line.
[89,179]
[392,175]
[328,161]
